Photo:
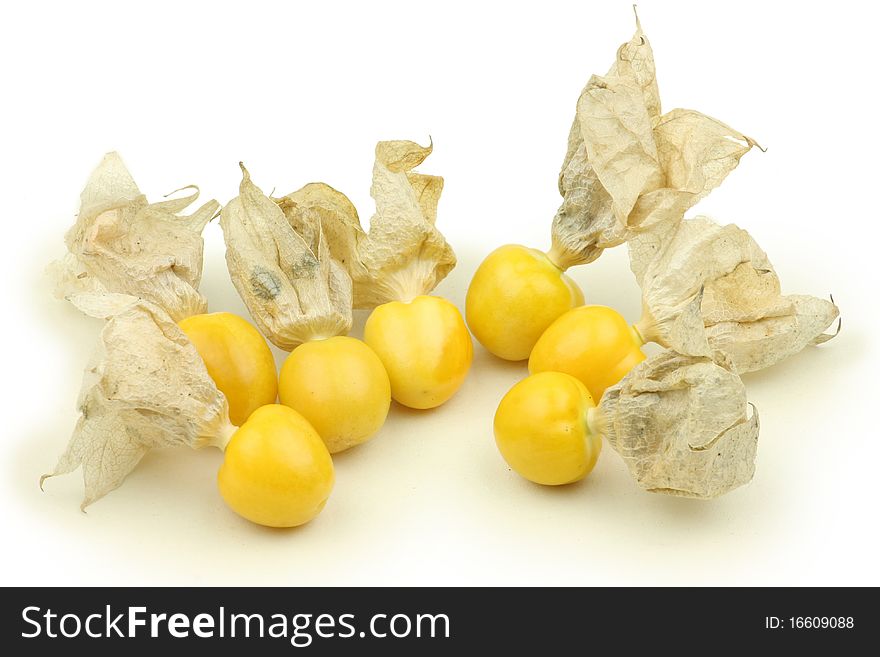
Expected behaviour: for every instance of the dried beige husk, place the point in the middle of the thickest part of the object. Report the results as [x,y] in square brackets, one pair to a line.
[280,263]
[682,426]
[318,205]
[122,243]
[629,167]
[403,255]
[711,288]
[145,387]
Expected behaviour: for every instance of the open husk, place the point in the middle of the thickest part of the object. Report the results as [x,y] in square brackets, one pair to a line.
[403,255]
[145,387]
[682,425]
[121,243]
[708,287]
[280,263]
[627,166]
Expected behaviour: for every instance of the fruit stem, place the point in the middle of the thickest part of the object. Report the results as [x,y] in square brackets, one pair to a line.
[558,258]
[224,435]
[406,284]
[594,421]
[324,326]
[637,335]
[644,328]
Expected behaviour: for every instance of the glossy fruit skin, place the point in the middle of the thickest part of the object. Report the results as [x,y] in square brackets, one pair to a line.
[238,359]
[276,471]
[515,294]
[592,343]
[340,386]
[425,347]
[541,429]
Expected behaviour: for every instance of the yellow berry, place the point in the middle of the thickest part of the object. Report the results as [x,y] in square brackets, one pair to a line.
[238,360]
[340,386]
[276,470]
[592,343]
[425,347]
[515,294]
[542,429]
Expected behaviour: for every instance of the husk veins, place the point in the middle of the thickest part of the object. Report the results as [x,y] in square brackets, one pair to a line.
[121,243]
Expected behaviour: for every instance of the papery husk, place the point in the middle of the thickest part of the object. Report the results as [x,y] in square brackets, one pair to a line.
[712,288]
[282,268]
[121,243]
[403,255]
[681,424]
[145,387]
[320,206]
[627,166]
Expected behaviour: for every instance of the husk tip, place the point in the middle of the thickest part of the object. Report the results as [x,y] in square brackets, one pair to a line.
[183,189]
[839,321]
[751,142]
[639,32]
[754,411]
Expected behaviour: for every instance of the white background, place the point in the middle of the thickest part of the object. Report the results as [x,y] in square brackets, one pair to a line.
[301,92]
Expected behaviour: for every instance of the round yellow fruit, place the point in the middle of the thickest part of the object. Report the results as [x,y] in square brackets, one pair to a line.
[515,294]
[340,386]
[276,471]
[425,347]
[592,343]
[543,432]
[238,360]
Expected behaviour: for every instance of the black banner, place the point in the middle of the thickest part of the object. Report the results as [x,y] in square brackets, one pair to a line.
[431,621]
